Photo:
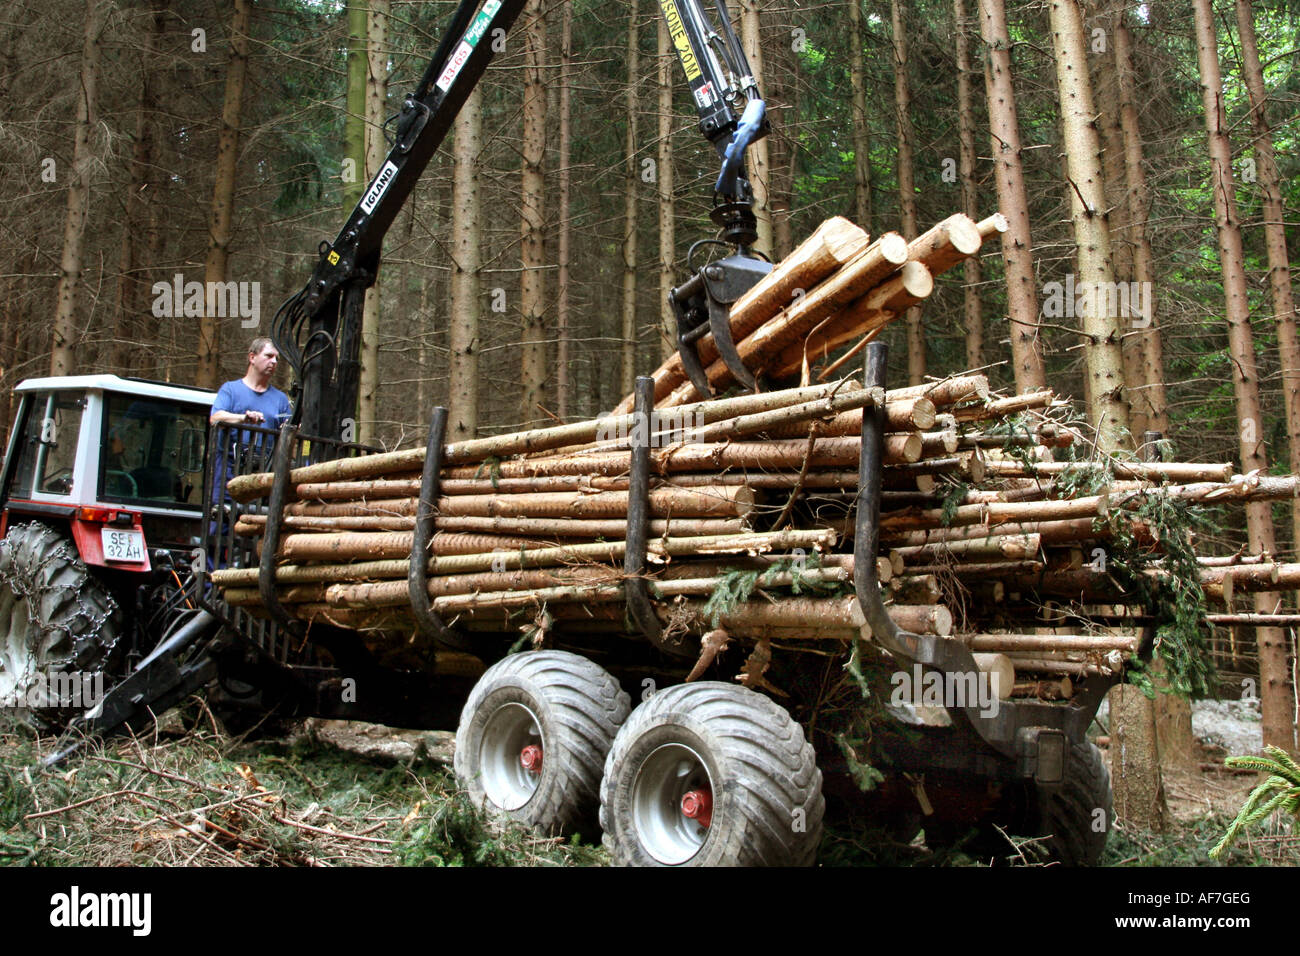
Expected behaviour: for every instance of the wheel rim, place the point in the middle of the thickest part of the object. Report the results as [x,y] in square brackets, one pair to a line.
[672,798]
[20,659]
[510,756]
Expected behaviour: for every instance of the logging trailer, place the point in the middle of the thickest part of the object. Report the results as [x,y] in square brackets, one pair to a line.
[116,516]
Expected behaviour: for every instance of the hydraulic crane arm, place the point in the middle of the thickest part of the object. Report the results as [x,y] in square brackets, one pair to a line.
[318,329]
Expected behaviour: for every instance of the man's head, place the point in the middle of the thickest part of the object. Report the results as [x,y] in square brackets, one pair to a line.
[262,359]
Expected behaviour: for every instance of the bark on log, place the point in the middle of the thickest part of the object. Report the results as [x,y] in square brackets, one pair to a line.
[1007,547]
[611,551]
[1037,643]
[946,244]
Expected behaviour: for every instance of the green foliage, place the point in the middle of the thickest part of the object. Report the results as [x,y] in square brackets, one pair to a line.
[736,586]
[457,833]
[1279,793]
[952,501]
[1174,596]
[864,775]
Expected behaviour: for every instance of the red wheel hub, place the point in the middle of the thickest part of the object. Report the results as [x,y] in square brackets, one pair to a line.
[531,758]
[698,806]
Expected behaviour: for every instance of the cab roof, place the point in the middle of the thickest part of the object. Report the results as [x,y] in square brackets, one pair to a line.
[116,383]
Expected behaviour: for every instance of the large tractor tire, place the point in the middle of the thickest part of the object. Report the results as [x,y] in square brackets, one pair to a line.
[533,737]
[711,774]
[1072,817]
[1075,814]
[58,628]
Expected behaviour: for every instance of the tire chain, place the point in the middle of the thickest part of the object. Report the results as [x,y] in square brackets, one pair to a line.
[81,644]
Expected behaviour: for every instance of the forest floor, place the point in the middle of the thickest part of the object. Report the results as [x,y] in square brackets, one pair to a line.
[333,793]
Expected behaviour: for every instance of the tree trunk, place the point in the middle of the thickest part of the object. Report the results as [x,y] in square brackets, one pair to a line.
[781,98]
[1151,395]
[973,319]
[1135,769]
[462,400]
[630,143]
[354,123]
[861,130]
[667,221]
[220,227]
[1275,695]
[1105,87]
[376,150]
[131,325]
[906,183]
[63,357]
[1017,249]
[1108,408]
[758,168]
[532,298]
[563,241]
[1279,268]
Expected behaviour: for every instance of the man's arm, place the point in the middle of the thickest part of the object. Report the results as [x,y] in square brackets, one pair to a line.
[249,417]
[223,410]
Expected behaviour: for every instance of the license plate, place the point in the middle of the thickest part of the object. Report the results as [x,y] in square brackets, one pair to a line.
[122,545]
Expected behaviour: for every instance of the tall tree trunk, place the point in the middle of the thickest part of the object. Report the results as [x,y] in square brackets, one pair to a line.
[220,227]
[906,182]
[861,129]
[63,357]
[563,253]
[128,323]
[667,218]
[630,143]
[1108,408]
[1017,249]
[1275,697]
[757,165]
[1144,356]
[354,121]
[1139,787]
[1279,267]
[376,150]
[1151,395]
[1105,87]
[462,399]
[532,285]
[973,319]
[780,95]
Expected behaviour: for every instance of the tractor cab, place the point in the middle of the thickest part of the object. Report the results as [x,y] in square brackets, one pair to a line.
[116,462]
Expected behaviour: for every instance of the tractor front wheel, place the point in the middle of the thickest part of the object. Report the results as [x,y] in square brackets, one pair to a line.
[58,629]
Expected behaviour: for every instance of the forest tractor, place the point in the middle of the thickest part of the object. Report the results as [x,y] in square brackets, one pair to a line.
[125,543]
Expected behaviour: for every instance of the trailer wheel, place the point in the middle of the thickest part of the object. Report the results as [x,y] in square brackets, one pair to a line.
[711,774]
[1073,816]
[1076,813]
[58,627]
[533,737]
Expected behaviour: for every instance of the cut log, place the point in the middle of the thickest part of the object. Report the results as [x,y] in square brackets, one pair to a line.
[1007,547]
[611,551]
[946,244]
[1001,671]
[835,243]
[1037,643]
[994,225]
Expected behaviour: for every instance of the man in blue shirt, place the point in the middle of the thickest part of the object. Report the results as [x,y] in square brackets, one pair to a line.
[253,400]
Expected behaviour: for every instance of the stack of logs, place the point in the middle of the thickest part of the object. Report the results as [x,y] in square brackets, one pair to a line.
[979,534]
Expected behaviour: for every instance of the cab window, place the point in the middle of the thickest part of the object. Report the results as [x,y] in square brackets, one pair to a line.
[153,451]
[47,444]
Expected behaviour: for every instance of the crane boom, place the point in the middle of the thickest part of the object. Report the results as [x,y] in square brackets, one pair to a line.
[318,329]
